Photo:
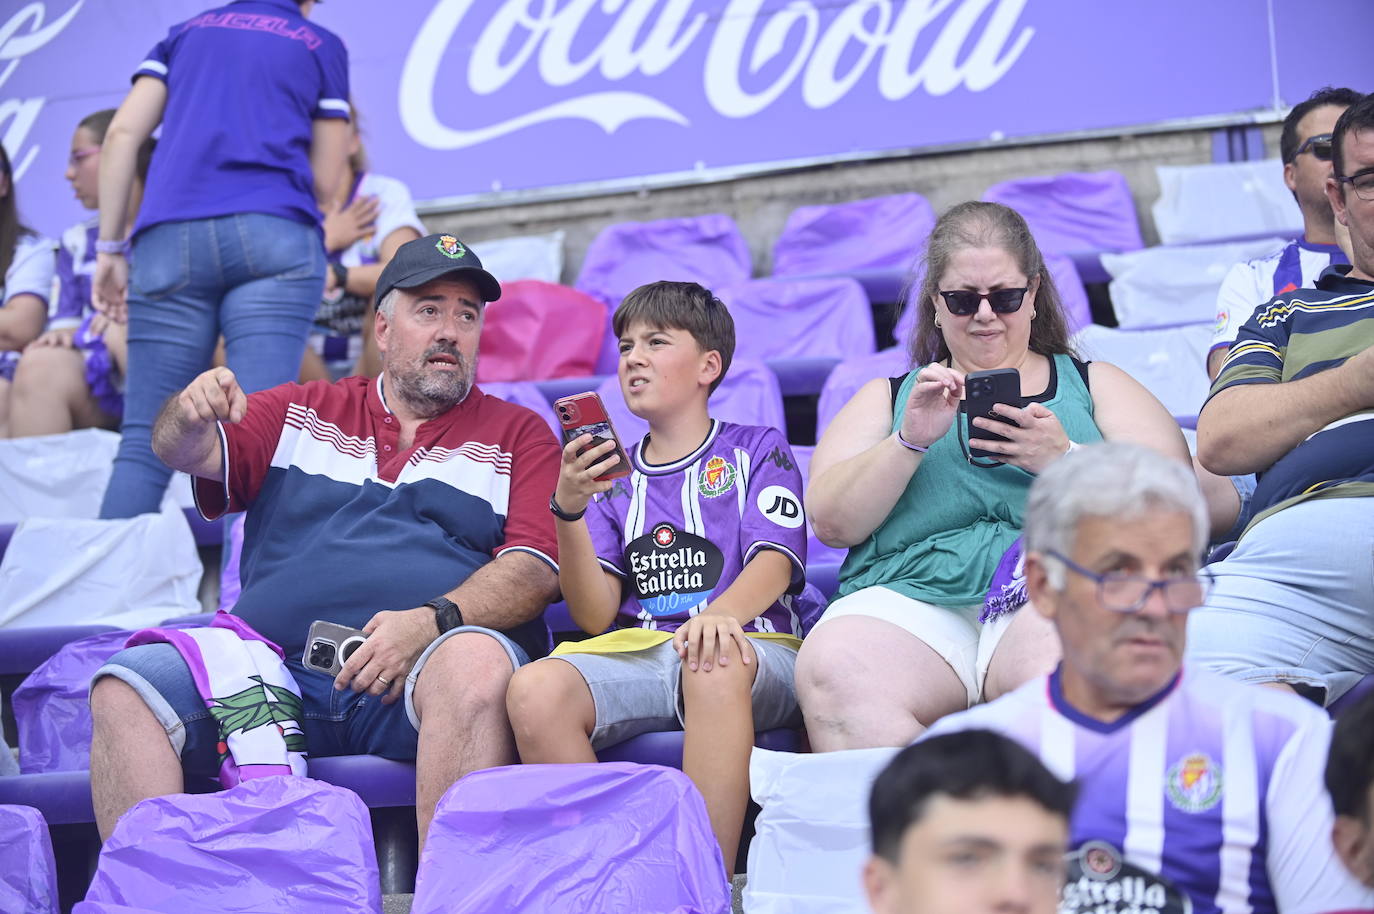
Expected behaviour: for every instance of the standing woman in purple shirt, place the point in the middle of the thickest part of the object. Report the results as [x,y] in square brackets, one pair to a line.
[253,103]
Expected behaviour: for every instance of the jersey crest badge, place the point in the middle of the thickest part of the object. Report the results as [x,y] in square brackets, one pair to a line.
[1194,783]
[450,247]
[717,477]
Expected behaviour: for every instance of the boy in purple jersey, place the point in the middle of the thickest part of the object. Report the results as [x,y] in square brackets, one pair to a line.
[696,559]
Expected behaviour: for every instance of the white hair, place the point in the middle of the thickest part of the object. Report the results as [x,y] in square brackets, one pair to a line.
[1118,481]
[387,305]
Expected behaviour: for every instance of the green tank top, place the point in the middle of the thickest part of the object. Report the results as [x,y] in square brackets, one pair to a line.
[944,537]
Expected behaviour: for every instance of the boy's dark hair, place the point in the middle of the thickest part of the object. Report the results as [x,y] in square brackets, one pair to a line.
[968,765]
[1359,116]
[1350,763]
[681,306]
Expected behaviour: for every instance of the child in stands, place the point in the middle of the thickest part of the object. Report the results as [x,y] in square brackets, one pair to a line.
[697,558]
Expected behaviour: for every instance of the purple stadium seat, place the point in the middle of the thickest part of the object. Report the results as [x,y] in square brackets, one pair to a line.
[1356,694]
[748,395]
[64,797]
[1075,211]
[825,577]
[817,553]
[51,708]
[799,318]
[879,234]
[28,872]
[540,330]
[527,394]
[665,747]
[307,844]
[23,650]
[844,382]
[571,838]
[706,249]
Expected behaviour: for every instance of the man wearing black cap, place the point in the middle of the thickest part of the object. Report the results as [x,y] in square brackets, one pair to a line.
[412,506]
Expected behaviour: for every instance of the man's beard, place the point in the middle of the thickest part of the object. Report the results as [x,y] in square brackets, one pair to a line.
[429,393]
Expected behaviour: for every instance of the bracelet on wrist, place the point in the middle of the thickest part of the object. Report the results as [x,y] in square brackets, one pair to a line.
[340,274]
[1073,446]
[901,439]
[559,513]
[120,247]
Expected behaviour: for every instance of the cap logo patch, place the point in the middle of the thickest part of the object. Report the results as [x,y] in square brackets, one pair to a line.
[450,247]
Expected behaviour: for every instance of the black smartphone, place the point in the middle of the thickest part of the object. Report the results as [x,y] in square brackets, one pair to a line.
[982,391]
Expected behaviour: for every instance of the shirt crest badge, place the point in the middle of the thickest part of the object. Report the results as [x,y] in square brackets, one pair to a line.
[450,247]
[717,477]
[1194,783]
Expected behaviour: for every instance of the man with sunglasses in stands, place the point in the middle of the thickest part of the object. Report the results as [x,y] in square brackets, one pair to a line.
[1195,791]
[1294,402]
[1305,147]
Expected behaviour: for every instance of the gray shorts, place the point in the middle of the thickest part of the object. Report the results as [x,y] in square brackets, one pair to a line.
[641,691]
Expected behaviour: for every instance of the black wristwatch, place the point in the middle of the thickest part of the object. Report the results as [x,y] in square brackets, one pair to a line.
[340,275]
[447,615]
[564,515]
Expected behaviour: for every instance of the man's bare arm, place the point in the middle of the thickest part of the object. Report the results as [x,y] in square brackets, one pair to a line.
[186,433]
[1247,428]
[510,590]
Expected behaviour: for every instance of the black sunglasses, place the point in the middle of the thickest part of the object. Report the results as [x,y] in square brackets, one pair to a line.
[1320,146]
[964,302]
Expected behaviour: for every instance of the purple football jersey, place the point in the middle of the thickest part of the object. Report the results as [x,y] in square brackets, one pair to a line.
[678,534]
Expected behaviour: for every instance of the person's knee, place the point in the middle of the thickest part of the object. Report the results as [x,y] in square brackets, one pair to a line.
[467,674]
[46,372]
[823,674]
[731,682]
[540,695]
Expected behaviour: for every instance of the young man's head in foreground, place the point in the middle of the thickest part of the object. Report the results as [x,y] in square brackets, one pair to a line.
[967,822]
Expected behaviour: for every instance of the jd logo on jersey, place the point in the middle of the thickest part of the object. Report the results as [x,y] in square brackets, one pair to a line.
[782,506]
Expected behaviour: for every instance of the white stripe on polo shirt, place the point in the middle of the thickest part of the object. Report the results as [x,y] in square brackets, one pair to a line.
[332,104]
[152,66]
[470,474]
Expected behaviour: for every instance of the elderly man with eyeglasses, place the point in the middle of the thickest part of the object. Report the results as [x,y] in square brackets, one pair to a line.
[1294,403]
[1194,790]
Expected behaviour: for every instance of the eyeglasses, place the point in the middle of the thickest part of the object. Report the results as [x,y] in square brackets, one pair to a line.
[1128,593]
[1320,146]
[1362,182]
[963,302]
[78,154]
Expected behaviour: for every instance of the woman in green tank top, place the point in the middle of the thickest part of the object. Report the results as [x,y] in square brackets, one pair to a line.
[890,479]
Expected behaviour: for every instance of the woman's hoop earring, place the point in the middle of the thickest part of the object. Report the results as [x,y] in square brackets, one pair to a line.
[937,323]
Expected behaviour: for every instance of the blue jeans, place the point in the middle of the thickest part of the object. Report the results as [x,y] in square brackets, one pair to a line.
[254,278]
[336,722]
[1294,602]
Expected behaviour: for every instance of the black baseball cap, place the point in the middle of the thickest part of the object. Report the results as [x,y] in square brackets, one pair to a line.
[424,259]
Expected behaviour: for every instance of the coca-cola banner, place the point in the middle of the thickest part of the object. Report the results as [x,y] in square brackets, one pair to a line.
[469,96]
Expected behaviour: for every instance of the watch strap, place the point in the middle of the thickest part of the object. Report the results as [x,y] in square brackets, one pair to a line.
[447,615]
